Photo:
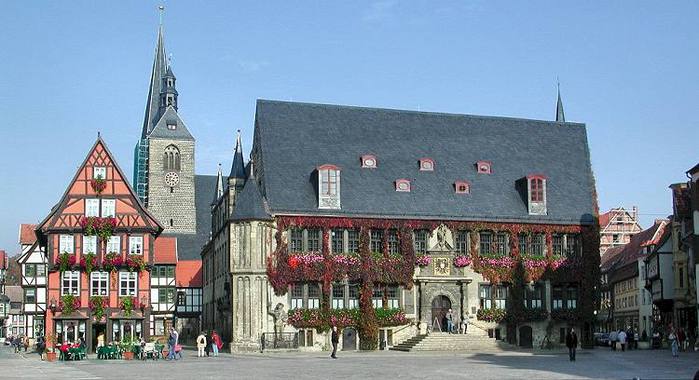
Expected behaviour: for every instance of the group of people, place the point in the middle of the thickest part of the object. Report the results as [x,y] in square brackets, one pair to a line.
[625,339]
[452,324]
[18,342]
[208,344]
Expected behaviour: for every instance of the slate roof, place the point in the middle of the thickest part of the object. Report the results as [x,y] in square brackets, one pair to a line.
[250,205]
[189,245]
[293,139]
[238,167]
[171,117]
[26,234]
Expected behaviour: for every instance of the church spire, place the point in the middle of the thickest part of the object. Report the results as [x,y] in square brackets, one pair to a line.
[238,167]
[560,116]
[219,186]
[158,71]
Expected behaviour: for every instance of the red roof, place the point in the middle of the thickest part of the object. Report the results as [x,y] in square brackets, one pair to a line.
[604,219]
[26,234]
[630,252]
[188,274]
[3,259]
[165,250]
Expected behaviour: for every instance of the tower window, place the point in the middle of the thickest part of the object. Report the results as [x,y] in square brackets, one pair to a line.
[171,158]
[172,222]
[172,127]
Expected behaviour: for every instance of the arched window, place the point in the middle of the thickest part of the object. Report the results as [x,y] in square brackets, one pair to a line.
[171,158]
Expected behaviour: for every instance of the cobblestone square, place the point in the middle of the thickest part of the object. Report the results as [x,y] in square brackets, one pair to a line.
[593,364]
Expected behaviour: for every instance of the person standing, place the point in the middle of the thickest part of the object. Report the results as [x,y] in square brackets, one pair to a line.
[613,336]
[217,344]
[673,343]
[630,338]
[622,339]
[334,339]
[450,321]
[201,344]
[572,344]
[172,341]
[40,346]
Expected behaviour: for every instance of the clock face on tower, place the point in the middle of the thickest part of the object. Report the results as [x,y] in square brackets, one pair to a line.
[172,179]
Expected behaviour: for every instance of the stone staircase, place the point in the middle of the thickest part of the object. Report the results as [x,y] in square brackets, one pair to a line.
[476,340]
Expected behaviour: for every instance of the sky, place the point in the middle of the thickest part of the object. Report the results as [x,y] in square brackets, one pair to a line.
[628,69]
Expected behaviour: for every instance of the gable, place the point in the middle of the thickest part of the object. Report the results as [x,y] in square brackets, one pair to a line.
[68,212]
[171,118]
[293,139]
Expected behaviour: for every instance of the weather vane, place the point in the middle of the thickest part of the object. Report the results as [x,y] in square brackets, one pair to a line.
[161,9]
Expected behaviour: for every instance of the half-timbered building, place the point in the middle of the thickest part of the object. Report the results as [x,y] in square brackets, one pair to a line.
[99,241]
[380,221]
[33,263]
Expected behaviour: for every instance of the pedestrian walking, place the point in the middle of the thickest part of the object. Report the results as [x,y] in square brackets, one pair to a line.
[613,337]
[622,339]
[209,343]
[450,321]
[334,339]
[173,340]
[673,343]
[217,344]
[201,344]
[681,339]
[40,346]
[630,339]
[572,344]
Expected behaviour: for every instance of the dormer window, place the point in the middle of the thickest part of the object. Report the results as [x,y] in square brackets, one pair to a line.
[328,187]
[536,189]
[484,167]
[369,161]
[462,187]
[172,127]
[403,185]
[99,172]
[426,164]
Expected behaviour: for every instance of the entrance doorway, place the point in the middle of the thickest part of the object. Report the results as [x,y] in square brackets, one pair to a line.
[349,339]
[440,307]
[97,330]
[525,337]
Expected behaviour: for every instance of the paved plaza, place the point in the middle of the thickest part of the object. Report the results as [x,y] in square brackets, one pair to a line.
[595,364]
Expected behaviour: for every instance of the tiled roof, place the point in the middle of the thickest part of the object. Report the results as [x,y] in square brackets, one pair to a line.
[188,274]
[3,259]
[15,293]
[604,219]
[165,250]
[610,257]
[293,139]
[26,234]
[625,254]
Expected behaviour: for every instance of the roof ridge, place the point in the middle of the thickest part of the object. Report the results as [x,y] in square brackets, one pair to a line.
[435,113]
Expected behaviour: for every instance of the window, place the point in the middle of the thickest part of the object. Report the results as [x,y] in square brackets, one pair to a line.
[328,187]
[557,298]
[99,172]
[500,297]
[70,283]
[572,245]
[533,297]
[296,296]
[99,283]
[353,299]
[484,167]
[30,295]
[615,238]
[136,245]
[166,296]
[172,127]
[393,247]
[377,241]
[296,240]
[127,283]
[572,298]
[338,301]
[403,185]
[305,338]
[108,208]
[426,164]
[531,244]
[313,296]
[680,272]
[462,187]
[393,301]
[329,181]
[89,244]
[66,244]
[171,158]
[352,241]
[420,242]
[462,242]
[114,244]
[314,240]
[181,299]
[92,207]
[377,297]
[537,190]
[337,240]
[557,243]
[493,243]
[485,297]
[369,161]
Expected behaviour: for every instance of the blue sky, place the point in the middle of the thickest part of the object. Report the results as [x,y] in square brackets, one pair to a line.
[628,69]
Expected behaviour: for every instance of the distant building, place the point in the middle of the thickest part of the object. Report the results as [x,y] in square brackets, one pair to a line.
[14,323]
[34,267]
[616,227]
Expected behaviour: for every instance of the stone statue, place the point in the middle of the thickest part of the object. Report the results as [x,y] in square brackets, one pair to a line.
[441,239]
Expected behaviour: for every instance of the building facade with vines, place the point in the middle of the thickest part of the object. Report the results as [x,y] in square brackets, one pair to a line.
[379,221]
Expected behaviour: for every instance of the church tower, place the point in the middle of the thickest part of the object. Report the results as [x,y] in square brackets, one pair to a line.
[164,155]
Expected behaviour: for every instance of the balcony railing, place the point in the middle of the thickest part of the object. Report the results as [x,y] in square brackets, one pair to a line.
[284,340]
